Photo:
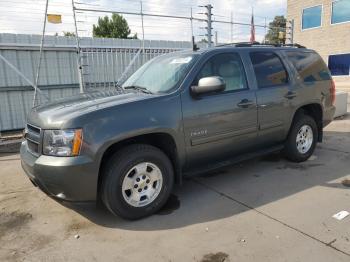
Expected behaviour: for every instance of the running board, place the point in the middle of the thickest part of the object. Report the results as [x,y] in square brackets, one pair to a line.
[233,161]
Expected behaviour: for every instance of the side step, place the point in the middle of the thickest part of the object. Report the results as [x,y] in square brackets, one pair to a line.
[233,161]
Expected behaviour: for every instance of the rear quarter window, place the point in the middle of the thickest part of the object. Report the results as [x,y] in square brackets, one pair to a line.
[310,66]
[269,69]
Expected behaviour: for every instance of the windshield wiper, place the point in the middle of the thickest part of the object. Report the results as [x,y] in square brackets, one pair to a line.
[139,88]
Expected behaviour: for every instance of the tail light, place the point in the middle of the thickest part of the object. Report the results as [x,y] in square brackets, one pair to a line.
[333,92]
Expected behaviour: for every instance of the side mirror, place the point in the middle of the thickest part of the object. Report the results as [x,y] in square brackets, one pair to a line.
[209,85]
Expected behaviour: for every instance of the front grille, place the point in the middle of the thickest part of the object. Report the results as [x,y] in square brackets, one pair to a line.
[33,137]
[33,147]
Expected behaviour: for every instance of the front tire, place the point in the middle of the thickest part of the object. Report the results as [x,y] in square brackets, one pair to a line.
[302,139]
[137,181]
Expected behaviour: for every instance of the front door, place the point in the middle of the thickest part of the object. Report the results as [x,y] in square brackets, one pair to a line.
[219,125]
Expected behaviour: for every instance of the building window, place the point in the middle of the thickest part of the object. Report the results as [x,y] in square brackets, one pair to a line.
[312,17]
[340,11]
[339,65]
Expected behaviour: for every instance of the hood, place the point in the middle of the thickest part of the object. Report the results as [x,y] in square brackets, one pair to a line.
[54,114]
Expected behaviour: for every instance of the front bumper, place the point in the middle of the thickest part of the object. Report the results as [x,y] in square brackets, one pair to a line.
[66,178]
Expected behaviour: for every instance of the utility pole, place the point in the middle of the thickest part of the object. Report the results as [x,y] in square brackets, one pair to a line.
[216,38]
[191,20]
[289,31]
[231,27]
[265,31]
[209,21]
[292,31]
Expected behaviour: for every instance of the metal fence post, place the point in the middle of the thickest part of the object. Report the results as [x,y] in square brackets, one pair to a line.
[80,68]
[143,29]
[40,55]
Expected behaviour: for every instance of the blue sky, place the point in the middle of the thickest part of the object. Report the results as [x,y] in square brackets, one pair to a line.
[26,16]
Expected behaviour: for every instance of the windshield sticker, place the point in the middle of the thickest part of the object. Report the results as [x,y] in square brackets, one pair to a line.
[182,60]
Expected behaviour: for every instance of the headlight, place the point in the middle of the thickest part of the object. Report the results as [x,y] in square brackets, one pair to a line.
[62,142]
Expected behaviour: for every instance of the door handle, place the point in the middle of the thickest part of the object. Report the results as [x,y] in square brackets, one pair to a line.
[245,103]
[290,95]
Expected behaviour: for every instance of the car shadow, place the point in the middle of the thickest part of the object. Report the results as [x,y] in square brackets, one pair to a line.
[9,156]
[237,189]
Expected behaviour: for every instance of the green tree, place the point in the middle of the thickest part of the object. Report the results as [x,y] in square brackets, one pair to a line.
[68,33]
[277,29]
[134,36]
[114,27]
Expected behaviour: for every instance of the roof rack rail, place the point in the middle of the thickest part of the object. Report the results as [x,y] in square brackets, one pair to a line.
[249,44]
[239,44]
[294,45]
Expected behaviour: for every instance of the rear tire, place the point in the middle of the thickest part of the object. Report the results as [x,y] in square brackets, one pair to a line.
[302,139]
[137,181]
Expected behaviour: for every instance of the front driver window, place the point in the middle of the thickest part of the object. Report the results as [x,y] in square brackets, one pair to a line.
[227,66]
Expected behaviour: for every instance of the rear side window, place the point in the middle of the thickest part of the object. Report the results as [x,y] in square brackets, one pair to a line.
[269,70]
[310,66]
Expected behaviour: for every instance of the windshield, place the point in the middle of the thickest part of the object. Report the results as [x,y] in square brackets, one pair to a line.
[162,74]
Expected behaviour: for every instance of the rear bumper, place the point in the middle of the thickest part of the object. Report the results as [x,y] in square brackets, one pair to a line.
[65,178]
[328,115]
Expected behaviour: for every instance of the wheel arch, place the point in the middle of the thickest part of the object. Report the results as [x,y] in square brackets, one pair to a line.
[314,110]
[162,140]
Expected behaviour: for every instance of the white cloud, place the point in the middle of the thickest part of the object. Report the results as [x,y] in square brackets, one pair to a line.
[26,16]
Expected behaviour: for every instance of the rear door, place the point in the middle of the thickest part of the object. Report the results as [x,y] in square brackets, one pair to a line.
[274,96]
[219,125]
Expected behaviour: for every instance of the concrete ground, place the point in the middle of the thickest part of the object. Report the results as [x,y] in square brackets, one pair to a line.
[264,209]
